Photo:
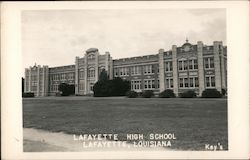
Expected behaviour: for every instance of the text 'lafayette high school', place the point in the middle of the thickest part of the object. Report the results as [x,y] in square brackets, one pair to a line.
[188,67]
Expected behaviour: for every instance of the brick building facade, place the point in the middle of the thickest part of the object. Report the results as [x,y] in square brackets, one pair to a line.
[188,67]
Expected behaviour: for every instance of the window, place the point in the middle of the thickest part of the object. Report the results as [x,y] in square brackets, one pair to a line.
[183,64]
[181,82]
[81,74]
[149,84]
[124,71]
[210,81]
[169,83]
[135,84]
[71,76]
[180,65]
[91,57]
[209,62]
[186,82]
[91,72]
[193,64]
[63,76]
[91,86]
[196,80]
[81,85]
[193,82]
[135,70]
[148,69]
[116,72]
[169,66]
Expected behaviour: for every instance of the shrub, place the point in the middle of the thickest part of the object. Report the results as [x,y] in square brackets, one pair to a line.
[211,93]
[132,94]
[168,93]
[223,91]
[66,89]
[188,94]
[147,94]
[28,94]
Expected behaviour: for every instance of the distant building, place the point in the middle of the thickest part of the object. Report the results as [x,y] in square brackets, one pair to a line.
[188,67]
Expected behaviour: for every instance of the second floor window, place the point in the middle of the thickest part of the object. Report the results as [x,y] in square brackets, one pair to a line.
[91,73]
[209,62]
[169,66]
[148,69]
[193,64]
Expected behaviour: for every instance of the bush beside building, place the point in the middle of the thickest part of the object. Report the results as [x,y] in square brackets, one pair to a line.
[168,93]
[211,93]
[188,94]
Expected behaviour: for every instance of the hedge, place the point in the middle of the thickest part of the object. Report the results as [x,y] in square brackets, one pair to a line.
[168,93]
[28,94]
[147,94]
[132,94]
[188,94]
[211,93]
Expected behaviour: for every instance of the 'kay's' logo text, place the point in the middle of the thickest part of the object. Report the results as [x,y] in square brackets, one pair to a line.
[211,147]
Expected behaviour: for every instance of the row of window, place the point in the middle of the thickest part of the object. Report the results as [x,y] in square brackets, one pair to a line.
[81,86]
[135,70]
[148,84]
[63,76]
[190,64]
[186,82]
[54,88]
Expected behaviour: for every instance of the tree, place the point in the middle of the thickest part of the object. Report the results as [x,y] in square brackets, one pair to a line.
[66,89]
[103,75]
[115,87]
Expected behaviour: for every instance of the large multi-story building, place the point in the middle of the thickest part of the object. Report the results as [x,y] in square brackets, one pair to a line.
[188,67]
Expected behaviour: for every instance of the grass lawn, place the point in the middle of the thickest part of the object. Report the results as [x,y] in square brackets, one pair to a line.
[194,122]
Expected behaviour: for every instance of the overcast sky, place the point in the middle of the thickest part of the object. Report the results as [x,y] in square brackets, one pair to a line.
[56,37]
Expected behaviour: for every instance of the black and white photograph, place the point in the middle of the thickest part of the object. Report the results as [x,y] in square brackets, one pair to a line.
[125,79]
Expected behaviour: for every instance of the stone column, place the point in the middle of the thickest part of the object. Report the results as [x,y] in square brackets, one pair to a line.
[111,68]
[38,81]
[217,66]
[29,88]
[107,62]
[43,81]
[175,70]
[85,73]
[46,80]
[26,73]
[200,67]
[223,68]
[76,76]
[161,70]
[96,66]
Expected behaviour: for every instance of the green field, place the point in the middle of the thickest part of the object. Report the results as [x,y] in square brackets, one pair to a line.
[194,122]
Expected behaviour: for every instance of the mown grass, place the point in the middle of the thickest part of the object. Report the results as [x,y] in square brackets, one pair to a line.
[194,122]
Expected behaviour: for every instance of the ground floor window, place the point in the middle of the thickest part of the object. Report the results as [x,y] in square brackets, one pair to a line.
[193,82]
[135,84]
[91,86]
[210,81]
[149,84]
[81,86]
[190,82]
[169,83]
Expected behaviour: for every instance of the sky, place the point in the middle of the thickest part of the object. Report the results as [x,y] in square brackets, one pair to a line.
[56,37]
